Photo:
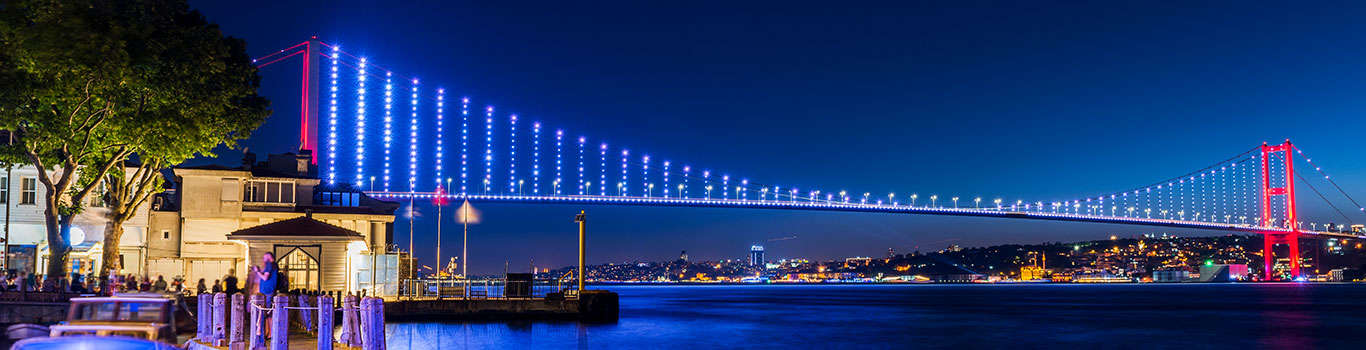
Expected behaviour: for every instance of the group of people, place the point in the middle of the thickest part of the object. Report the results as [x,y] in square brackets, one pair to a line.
[18,281]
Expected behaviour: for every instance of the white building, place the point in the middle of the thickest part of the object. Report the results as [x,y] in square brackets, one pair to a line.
[21,197]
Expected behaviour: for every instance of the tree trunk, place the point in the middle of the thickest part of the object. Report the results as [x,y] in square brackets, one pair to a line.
[109,259]
[58,242]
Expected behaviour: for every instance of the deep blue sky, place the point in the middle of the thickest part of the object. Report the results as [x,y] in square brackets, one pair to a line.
[1016,100]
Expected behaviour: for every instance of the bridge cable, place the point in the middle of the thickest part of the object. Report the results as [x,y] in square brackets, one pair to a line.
[1330,180]
[1325,199]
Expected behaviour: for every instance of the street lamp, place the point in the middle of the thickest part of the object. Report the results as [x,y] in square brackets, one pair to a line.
[977,202]
[955,202]
[519,185]
[865,198]
[891,198]
[913,197]
[998,203]
[934,198]
[844,197]
[372,184]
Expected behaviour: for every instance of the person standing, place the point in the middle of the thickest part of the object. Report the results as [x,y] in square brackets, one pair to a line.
[268,275]
[201,288]
[230,283]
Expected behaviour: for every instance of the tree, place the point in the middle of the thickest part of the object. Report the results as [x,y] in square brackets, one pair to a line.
[95,82]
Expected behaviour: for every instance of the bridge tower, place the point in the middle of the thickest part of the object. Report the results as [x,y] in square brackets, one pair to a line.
[308,105]
[1291,237]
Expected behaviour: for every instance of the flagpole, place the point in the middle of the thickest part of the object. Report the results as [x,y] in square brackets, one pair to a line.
[465,247]
[412,266]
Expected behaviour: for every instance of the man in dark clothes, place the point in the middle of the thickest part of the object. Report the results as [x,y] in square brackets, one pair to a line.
[230,283]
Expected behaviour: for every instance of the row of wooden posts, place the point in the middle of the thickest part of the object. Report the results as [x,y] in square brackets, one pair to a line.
[222,324]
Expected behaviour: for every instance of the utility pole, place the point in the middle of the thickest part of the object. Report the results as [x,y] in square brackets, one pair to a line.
[583,229]
[412,267]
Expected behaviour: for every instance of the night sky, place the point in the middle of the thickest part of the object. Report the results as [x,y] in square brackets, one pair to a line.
[995,100]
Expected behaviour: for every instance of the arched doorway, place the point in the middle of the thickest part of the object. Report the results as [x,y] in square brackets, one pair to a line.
[301,269]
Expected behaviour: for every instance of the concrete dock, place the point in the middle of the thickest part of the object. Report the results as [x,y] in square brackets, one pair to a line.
[591,306]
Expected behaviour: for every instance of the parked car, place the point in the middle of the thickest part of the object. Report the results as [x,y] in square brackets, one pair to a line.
[144,316]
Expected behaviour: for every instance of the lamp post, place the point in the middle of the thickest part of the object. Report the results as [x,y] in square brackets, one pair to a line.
[372,184]
[998,203]
[934,198]
[891,198]
[913,197]
[977,202]
[955,202]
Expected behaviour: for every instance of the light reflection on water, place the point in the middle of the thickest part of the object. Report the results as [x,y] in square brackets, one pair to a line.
[917,316]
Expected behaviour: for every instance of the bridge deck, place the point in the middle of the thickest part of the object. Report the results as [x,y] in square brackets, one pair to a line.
[1004,212]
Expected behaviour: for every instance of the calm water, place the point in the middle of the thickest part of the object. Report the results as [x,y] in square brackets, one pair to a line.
[927,316]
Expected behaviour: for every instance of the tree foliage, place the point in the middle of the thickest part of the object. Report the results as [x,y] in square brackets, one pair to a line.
[90,83]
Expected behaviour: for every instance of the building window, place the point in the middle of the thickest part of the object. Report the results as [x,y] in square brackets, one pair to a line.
[339,199]
[165,234]
[268,191]
[4,189]
[301,270]
[28,191]
[97,198]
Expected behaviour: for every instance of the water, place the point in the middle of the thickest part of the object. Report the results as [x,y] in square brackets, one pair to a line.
[1200,316]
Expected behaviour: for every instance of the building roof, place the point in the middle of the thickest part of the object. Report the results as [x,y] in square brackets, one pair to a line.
[302,226]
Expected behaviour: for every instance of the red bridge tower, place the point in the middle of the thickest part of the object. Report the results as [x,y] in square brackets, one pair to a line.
[1290,238]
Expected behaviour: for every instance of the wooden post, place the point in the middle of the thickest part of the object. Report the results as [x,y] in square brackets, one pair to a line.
[239,319]
[366,339]
[203,319]
[220,313]
[350,321]
[325,312]
[279,324]
[378,309]
[257,338]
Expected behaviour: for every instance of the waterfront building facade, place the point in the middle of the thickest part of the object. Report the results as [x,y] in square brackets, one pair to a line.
[22,201]
[202,227]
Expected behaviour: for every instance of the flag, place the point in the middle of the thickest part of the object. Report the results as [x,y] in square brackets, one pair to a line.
[467,214]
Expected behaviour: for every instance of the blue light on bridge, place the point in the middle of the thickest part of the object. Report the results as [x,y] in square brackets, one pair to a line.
[412,141]
[360,122]
[388,124]
[536,158]
[440,154]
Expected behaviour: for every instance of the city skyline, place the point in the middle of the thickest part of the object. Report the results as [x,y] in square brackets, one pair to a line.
[874,101]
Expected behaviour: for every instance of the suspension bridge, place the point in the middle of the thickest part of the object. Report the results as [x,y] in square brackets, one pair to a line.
[396,137]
